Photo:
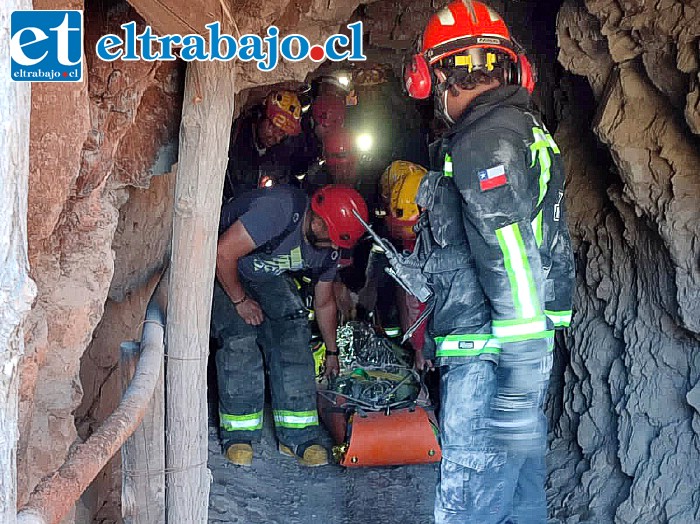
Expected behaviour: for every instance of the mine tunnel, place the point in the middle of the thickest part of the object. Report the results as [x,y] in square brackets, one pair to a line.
[618,88]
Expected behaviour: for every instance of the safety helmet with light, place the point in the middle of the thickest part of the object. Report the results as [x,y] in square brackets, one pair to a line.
[399,186]
[335,205]
[466,34]
[340,79]
[283,108]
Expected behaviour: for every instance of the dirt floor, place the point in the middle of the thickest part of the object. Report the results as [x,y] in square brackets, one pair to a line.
[276,490]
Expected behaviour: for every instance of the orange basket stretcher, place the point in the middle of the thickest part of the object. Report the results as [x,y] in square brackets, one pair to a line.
[403,433]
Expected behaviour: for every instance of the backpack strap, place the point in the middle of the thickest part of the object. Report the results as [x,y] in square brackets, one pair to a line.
[299,208]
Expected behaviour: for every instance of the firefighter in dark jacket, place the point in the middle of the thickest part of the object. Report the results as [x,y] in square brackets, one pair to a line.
[498,256]
[265,234]
[259,151]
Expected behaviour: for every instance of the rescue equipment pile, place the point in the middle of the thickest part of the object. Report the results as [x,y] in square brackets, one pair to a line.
[377,409]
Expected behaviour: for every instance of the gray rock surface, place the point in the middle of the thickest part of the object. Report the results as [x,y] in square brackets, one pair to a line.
[625,435]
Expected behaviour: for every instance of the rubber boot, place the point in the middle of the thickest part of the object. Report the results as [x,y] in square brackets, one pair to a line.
[240,454]
[309,454]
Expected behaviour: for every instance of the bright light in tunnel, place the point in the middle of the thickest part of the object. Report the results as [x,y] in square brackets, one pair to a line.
[344,80]
[364,142]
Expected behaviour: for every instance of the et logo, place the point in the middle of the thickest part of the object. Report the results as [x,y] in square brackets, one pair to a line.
[46,46]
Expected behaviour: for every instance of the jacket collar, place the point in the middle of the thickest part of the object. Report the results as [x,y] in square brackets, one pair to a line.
[486,102]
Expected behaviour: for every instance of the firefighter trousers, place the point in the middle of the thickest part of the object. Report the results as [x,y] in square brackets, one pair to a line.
[279,345]
[479,480]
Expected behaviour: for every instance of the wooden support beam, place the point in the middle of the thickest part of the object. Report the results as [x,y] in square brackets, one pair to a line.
[203,153]
[17,290]
[180,16]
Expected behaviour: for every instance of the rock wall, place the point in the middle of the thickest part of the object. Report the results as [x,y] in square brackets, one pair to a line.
[624,437]
[624,441]
[142,248]
[89,142]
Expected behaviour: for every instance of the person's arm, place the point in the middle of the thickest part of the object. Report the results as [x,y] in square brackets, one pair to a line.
[326,316]
[492,173]
[234,244]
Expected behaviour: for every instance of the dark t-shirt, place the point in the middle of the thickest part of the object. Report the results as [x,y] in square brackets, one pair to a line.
[266,214]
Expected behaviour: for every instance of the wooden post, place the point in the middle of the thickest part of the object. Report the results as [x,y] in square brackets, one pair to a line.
[143,454]
[203,153]
[17,290]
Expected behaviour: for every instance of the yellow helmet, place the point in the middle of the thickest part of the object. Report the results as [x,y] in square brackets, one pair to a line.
[399,186]
[283,108]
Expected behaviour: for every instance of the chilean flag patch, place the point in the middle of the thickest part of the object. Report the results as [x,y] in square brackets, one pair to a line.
[492,178]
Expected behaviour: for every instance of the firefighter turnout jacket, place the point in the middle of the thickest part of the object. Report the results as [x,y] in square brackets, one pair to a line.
[495,241]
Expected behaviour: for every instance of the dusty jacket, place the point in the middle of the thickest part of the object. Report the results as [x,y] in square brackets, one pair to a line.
[499,253]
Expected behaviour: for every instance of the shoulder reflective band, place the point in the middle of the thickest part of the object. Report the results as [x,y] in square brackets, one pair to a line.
[540,153]
[295,419]
[241,422]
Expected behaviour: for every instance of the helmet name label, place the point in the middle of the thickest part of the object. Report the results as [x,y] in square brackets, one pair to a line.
[487,40]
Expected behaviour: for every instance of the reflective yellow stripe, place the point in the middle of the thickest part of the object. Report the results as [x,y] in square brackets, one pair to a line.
[559,318]
[525,299]
[295,419]
[511,328]
[249,422]
[392,331]
[466,345]
[537,228]
[447,169]
[540,153]
[297,261]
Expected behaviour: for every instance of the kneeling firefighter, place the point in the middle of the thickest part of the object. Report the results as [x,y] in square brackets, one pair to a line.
[398,187]
[264,234]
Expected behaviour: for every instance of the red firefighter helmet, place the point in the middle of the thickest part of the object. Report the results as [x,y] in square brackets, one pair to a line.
[328,111]
[335,205]
[463,25]
[338,147]
[283,108]
[471,35]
